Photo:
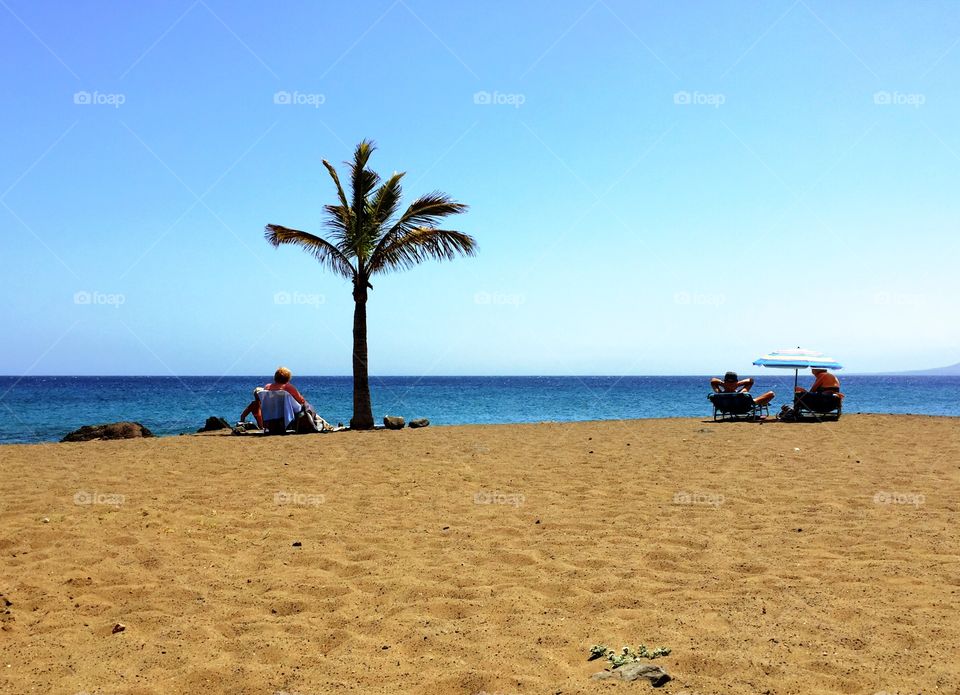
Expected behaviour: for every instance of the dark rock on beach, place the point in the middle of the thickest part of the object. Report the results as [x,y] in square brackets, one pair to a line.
[213,424]
[113,430]
[635,671]
[393,422]
[420,422]
[6,617]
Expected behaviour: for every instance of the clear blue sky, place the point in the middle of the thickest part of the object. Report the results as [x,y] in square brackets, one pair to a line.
[656,188]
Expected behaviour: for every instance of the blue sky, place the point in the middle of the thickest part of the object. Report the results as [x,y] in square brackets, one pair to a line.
[655,188]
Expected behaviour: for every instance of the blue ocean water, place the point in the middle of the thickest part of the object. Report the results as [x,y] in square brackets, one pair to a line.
[37,409]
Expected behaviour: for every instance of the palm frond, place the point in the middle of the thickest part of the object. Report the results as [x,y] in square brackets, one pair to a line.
[414,246]
[360,237]
[326,253]
[423,213]
[336,180]
[386,200]
[429,209]
[362,180]
[339,217]
[339,220]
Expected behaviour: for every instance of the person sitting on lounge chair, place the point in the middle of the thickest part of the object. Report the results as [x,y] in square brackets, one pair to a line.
[731,383]
[823,382]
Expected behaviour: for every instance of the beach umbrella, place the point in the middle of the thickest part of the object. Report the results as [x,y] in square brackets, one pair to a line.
[796,360]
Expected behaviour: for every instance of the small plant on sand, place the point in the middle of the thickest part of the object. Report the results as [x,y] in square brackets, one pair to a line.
[626,655]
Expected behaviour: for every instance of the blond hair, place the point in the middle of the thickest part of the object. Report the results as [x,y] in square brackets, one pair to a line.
[282,375]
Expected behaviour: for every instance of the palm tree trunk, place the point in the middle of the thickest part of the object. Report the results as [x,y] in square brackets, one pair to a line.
[362,409]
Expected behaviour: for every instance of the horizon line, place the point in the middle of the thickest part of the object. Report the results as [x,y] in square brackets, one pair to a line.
[786,372]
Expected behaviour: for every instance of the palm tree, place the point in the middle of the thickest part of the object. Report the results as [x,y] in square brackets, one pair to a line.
[368,237]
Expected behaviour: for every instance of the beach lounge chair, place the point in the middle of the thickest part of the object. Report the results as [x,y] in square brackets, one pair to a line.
[817,406]
[279,411]
[737,406]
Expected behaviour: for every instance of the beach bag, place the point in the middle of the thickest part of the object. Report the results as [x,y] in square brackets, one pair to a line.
[307,421]
[787,414]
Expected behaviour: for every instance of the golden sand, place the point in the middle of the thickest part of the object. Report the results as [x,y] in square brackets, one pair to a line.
[770,558]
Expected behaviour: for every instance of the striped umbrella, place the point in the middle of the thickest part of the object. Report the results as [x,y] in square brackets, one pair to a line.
[796,360]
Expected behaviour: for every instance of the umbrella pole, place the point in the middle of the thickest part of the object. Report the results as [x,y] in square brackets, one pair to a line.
[796,377]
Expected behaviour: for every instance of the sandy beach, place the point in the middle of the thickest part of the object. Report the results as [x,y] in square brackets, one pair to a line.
[769,558]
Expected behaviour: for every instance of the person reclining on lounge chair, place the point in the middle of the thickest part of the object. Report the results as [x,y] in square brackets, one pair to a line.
[823,382]
[731,383]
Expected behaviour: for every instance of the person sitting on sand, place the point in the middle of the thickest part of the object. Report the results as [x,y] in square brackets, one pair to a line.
[823,382]
[731,383]
[254,408]
[281,382]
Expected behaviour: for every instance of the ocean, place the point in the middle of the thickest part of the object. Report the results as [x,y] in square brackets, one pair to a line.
[43,409]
